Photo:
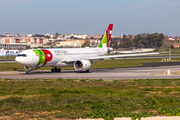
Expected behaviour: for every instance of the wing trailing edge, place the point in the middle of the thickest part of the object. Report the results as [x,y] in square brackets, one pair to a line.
[114,56]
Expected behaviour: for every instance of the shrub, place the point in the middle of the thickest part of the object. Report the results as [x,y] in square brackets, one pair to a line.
[173,111]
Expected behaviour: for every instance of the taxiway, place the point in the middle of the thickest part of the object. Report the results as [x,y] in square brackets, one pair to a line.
[147,71]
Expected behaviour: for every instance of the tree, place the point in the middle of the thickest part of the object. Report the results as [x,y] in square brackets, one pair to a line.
[47,36]
[27,47]
[86,43]
[127,43]
[38,35]
[114,44]
[56,35]
[138,40]
[148,40]
[171,46]
[91,37]
[72,37]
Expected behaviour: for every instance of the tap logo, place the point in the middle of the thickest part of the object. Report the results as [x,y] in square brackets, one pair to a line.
[44,57]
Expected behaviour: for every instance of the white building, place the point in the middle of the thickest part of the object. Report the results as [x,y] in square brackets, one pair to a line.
[80,36]
[95,42]
[29,35]
[122,36]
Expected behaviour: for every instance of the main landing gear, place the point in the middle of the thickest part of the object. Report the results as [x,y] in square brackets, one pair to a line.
[87,71]
[55,69]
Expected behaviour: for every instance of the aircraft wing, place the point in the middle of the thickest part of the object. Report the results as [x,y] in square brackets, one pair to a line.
[121,56]
[115,56]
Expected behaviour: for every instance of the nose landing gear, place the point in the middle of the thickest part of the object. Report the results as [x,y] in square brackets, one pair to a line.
[29,69]
[27,72]
[55,69]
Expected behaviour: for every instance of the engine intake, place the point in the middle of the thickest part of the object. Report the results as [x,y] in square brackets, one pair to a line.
[82,65]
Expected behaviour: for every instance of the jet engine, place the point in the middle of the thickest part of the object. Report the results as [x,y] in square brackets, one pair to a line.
[110,49]
[82,65]
[30,68]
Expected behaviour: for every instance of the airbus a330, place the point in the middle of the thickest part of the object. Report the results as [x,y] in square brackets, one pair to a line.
[80,58]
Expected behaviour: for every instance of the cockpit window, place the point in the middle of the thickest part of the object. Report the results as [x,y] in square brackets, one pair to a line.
[21,55]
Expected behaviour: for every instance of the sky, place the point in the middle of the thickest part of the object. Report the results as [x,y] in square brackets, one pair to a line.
[90,16]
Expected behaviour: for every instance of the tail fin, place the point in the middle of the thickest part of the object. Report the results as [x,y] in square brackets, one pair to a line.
[107,37]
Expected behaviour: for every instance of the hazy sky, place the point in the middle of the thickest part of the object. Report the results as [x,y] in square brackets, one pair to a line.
[90,16]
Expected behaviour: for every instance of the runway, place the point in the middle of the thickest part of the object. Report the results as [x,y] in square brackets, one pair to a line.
[146,71]
[7,61]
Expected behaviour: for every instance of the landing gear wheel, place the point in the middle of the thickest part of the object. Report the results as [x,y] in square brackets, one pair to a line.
[59,69]
[55,69]
[52,70]
[27,72]
[87,71]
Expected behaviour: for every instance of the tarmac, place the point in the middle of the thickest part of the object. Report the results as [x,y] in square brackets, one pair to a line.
[147,71]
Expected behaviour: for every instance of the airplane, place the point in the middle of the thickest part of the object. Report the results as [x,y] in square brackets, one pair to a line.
[80,58]
[2,52]
[7,52]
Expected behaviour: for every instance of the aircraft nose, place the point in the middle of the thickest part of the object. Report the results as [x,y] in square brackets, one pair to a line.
[19,60]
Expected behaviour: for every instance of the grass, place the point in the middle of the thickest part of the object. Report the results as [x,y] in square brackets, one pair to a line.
[174,51]
[7,58]
[59,98]
[123,62]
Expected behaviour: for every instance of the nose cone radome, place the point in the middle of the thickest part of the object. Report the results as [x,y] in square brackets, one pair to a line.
[20,60]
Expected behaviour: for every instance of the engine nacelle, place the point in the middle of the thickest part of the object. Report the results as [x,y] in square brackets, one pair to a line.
[82,65]
[110,49]
[30,68]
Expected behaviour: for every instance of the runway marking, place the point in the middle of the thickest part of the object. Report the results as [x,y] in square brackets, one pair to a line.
[10,74]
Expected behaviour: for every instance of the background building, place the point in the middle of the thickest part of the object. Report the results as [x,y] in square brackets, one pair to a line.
[22,42]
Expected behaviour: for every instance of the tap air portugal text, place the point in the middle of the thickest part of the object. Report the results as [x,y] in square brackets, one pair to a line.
[80,58]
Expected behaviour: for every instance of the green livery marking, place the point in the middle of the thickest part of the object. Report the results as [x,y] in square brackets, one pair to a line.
[41,55]
[104,40]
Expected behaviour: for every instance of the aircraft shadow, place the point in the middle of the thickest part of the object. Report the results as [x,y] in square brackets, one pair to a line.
[69,71]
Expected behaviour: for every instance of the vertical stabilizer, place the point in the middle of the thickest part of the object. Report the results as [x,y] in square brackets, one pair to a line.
[107,37]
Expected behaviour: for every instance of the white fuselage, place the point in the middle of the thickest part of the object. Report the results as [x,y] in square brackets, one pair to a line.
[60,56]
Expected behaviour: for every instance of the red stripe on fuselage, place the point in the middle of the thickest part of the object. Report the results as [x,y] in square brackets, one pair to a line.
[48,56]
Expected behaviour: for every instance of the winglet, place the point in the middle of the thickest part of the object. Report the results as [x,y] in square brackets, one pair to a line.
[107,37]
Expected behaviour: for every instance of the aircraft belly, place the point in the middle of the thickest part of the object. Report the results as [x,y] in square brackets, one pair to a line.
[62,64]
[51,63]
